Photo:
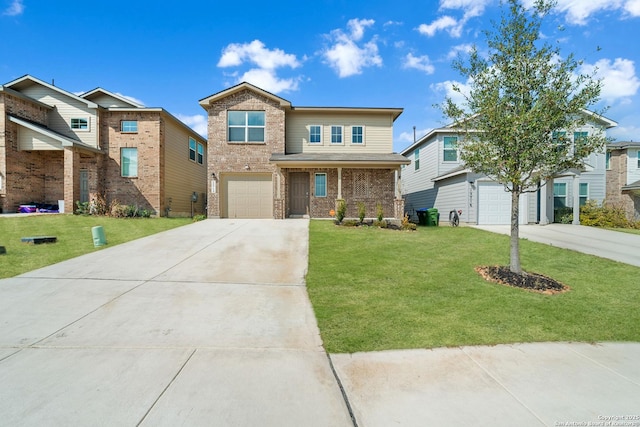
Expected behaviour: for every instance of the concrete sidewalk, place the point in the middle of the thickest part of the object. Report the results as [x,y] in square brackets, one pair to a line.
[614,245]
[207,324]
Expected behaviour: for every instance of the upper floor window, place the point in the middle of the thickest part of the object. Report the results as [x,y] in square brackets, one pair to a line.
[450,152]
[416,159]
[246,126]
[192,149]
[315,134]
[80,123]
[579,138]
[559,140]
[129,162]
[607,162]
[200,153]
[129,126]
[357,134]
[336,134]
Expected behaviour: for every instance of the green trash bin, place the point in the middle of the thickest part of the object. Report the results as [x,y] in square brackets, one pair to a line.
[99,238]
[432,217]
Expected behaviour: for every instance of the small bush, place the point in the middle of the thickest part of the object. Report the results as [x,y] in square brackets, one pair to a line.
[380,223]
[379,212]
[362,211]
[350,223]
[406,224]
[612,216]
[341,211]
[200,217]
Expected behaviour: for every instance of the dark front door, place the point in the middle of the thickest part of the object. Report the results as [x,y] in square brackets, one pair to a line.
[299,193]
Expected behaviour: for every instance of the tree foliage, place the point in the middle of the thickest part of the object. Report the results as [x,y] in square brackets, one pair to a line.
[524,103]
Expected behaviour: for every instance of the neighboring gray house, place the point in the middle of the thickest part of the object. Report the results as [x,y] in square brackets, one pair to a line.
[438,178]
[623,177]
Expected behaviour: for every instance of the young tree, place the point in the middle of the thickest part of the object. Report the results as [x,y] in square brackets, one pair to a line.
[520,94]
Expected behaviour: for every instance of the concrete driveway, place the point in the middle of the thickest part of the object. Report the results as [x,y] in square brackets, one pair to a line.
[614,245]
[208,324]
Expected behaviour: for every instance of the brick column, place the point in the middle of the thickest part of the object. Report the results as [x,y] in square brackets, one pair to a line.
[398,205]
[71,179]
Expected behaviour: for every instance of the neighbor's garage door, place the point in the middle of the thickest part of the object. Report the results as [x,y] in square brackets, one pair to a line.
[494,205]
[247,196]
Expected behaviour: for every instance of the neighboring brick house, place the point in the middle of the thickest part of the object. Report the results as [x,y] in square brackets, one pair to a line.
[623,177]
[57,146]
[268,159]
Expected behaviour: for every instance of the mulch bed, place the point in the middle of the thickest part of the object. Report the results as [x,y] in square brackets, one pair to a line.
[529,281]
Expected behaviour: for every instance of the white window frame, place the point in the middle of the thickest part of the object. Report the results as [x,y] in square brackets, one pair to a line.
[320,135]
[362,134]
[561,185]
[341,142]
[586,196]
[638,160]
[129,122]
[607,160]
[122,162]
[416,159]
[78,124]
[247,127]
[446,150]
[200,154]
[192,149]
[315,184]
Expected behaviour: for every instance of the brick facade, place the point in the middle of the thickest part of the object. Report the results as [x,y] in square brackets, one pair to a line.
[226,157]
[616,179]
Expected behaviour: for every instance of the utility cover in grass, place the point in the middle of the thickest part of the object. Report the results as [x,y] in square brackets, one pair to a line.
[528,281]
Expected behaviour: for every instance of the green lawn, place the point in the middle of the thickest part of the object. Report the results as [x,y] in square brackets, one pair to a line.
[74,237]
[376,289]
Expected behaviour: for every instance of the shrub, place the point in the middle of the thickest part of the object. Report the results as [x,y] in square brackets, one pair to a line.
[350,223]
[406,224]
[341,211]
[596,215]
[379,212]
[380,223]
[199,217]
[362,211]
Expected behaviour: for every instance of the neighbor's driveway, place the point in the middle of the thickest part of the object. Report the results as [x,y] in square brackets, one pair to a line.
[207,324]
[615,245]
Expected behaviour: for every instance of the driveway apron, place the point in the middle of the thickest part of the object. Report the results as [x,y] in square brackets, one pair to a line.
[207,324]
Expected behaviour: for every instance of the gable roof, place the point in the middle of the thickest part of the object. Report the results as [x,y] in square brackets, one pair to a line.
[27,80]
[395,112]
[622,145]
[100,91]
[64,140]
[204,102]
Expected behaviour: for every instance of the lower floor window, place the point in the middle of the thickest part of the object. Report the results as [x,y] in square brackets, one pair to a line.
[559,195]
[321,185]
[584,193]
[129,162]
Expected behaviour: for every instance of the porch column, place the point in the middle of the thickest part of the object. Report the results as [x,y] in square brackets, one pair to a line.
[544,191]
[71,179]
[576,200]
[398,184]
[339,183]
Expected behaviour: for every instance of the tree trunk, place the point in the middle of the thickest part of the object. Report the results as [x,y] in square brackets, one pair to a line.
[514,255]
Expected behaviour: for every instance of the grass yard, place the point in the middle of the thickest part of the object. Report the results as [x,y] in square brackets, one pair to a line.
[74,237]
[376,289]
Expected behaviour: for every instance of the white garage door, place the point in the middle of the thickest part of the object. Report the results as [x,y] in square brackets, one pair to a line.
[494,205]
[247,196]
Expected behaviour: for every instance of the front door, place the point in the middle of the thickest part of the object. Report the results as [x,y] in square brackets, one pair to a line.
[84,185]
[299,193]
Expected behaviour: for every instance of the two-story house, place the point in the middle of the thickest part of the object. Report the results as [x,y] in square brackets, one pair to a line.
[437,177]
[269,159]
[58,148]
[623,177]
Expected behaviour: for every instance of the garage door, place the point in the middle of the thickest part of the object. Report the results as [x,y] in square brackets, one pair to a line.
[494,205]
[247,196]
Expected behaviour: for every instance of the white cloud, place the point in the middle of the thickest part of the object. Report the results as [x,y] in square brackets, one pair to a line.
[266,62]
[619,80]
[198,123]
[131,98]
[471,8]
[408,136]
[447,87]
[461,48]
[579,12]
[633,7]
[346,56]
[255,52]
[444,23]
[15,8]
[422,63]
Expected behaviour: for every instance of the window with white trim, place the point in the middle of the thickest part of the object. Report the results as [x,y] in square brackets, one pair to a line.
[129,126]
[638,155]
[320,187]
[315,134]
[80,123]
[559,195]
[607,162]
[200,153]
[416,159]
[357,134]
[336,134]
[129,162]
[450,150]
[245,126]
[192,149]
[584,193]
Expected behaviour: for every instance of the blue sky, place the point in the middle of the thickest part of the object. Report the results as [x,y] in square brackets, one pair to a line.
[322,53]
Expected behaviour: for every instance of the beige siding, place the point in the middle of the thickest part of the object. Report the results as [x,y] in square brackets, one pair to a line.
[107,101]
[378,132]
[183,176]
[66,109]
[29,140]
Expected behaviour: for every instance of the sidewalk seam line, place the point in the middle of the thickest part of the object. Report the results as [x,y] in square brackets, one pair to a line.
[166,387]
[343,391]
[603,366]
[524,405]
